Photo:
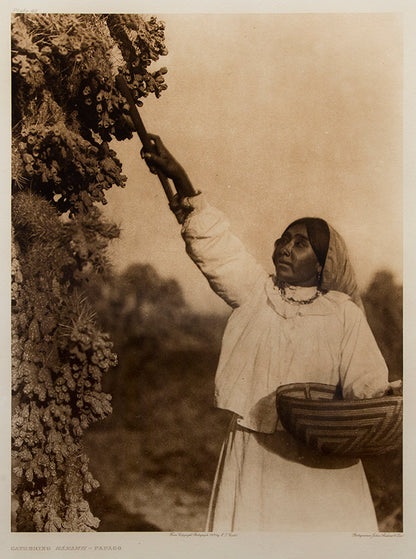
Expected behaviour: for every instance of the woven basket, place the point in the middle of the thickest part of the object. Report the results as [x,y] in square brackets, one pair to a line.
[316,415]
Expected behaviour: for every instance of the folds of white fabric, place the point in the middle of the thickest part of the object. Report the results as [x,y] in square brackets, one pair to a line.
[270,482]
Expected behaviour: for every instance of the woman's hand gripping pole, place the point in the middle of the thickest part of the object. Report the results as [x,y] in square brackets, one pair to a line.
[158,158]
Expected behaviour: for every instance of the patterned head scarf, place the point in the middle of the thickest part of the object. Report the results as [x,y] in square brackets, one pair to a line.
[331,252]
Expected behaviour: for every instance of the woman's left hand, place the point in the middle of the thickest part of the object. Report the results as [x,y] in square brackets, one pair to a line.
[395,388]
[161,159]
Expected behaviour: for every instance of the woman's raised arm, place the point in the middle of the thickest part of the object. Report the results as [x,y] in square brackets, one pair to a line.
[230,270]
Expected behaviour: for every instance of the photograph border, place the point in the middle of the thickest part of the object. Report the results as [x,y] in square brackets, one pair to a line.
[177,544]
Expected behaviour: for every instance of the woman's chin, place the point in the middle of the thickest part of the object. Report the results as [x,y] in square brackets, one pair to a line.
[283,277]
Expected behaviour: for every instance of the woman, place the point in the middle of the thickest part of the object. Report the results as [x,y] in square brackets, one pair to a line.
[303,324]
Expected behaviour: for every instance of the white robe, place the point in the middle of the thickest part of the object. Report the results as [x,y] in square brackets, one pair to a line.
[265,479]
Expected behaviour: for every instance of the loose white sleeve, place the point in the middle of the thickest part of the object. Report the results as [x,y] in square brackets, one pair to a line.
[363,370]
[230,270]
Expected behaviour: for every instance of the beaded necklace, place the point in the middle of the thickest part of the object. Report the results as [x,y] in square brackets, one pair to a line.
[292,301]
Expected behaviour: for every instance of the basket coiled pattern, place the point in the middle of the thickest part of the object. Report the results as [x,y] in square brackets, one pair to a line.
[313,413]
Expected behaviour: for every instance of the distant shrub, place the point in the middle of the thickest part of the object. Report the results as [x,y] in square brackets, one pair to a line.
[383,301]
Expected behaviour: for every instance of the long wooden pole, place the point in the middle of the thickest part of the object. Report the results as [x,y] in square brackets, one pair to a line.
[141,131]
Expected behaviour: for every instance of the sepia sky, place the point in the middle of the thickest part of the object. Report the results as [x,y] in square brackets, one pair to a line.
[274,117]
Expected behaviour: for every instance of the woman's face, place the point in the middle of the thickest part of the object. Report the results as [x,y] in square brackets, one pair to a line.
[294,259]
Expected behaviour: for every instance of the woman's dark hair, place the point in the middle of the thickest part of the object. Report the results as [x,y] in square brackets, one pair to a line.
[318,233]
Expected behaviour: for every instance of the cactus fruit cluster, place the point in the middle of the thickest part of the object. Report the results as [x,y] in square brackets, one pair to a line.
[66,106]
